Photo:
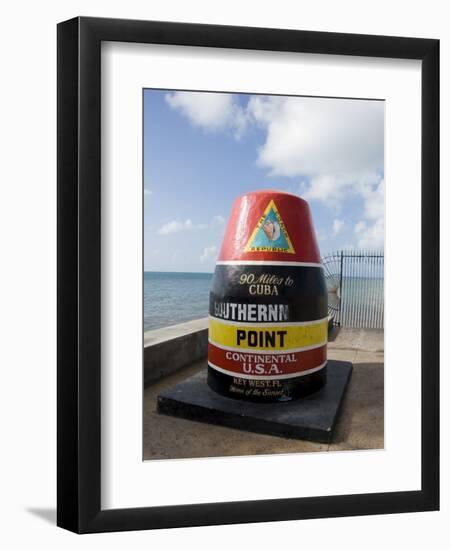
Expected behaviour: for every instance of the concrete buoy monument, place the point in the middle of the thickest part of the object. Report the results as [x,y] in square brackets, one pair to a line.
[267,369]
[268,303]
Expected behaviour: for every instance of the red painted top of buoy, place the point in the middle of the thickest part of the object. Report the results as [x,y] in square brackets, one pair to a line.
[270,225]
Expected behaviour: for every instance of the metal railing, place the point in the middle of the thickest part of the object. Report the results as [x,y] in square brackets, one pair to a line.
[355,283]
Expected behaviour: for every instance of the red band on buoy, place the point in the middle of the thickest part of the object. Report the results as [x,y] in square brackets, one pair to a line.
[263,365]
[270,226]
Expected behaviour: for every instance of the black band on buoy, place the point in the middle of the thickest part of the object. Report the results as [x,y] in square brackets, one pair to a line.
[301,289]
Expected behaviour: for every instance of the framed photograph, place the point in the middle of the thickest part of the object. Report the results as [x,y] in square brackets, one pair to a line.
[248,275]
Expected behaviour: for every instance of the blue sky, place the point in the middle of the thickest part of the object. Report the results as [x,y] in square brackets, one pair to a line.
[203,149]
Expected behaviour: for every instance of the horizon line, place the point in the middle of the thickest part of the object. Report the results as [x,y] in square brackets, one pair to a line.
[164,271]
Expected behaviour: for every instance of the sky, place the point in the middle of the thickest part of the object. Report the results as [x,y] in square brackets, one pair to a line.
[203,149]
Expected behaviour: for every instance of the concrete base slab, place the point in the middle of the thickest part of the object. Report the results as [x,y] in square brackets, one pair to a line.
[313,418]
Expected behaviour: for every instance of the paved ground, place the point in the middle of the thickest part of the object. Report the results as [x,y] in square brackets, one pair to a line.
[361,425]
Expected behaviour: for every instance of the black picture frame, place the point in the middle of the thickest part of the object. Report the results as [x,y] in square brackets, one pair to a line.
[79,281]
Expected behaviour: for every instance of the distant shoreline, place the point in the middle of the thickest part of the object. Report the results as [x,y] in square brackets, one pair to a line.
[183,272]
[212,273]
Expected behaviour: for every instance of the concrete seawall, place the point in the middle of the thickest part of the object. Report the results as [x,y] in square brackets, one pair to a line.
[169,349]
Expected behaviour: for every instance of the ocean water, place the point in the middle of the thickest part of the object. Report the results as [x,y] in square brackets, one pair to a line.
[172,298]
[362,302]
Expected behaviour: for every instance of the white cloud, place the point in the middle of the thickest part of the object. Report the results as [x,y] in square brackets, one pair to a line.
[321,235]
[209,253]
[370,232]
[320,136]
[338,145]
[335,147]
[147,192]
[325,188]
[360,227]
[337,226]
[373,196]
[210,111]
[175,226]
[217,221]
[371,236]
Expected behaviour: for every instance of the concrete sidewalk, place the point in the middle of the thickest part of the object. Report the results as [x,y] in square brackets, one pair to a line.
[361,424]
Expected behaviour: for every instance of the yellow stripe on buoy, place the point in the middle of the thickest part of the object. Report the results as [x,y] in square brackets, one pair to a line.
[268,337]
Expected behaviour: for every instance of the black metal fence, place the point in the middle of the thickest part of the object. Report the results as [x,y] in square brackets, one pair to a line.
[355,283]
